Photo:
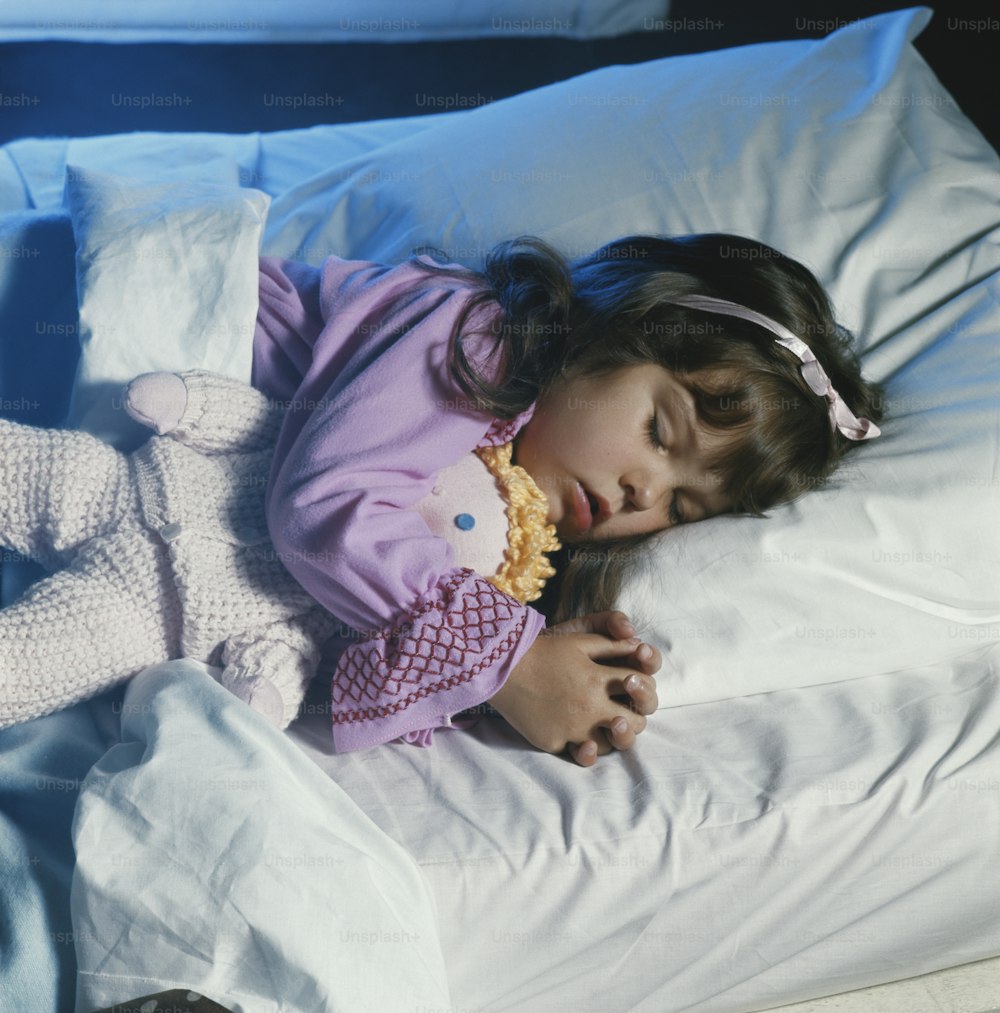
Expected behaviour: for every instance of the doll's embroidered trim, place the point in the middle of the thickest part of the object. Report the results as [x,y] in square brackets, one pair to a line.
[526,567]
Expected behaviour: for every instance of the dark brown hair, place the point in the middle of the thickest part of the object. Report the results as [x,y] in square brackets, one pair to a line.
[615,308]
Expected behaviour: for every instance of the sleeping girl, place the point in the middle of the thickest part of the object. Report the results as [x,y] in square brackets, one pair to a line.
[653,383]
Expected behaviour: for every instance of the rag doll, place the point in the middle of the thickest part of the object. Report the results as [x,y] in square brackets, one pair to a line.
[164,553]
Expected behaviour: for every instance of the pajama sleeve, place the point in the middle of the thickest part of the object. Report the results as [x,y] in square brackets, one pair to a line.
[376,417]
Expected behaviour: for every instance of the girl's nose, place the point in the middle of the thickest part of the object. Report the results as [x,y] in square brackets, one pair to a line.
[641,494]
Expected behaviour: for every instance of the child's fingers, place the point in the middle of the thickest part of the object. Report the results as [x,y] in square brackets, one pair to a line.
[583,753]
[641,690]
[604,649]
[619,625]
[623,730]
[642,657]
[632,653]
[648,658]
[619,733]
[586,753]
[611,623]
[635,690]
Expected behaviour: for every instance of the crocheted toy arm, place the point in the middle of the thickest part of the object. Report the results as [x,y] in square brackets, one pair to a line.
[270,669]
[207,411]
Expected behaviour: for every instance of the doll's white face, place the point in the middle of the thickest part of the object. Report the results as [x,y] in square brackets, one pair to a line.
[594,432]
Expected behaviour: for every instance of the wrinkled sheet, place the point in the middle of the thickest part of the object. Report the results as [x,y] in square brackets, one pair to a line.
[757,850]
[312,906]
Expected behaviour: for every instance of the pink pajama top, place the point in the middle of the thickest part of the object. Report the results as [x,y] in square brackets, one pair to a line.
[360,352]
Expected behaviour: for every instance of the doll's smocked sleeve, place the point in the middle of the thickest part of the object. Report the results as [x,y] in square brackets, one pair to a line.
[375,418]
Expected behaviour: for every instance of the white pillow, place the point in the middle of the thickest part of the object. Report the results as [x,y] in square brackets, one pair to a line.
[166,279]
[891,568]
[845,153]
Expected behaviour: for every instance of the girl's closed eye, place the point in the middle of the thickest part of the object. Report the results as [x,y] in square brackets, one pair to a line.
[653,431]
[653,434]
[674,513]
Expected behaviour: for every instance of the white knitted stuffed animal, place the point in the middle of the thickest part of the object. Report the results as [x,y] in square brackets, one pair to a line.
[164,553]
[159,554]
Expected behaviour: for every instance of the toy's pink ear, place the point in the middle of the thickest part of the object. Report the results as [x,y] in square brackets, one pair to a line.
[467,510]
[157,400]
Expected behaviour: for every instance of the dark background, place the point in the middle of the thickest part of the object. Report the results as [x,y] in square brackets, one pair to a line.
[68,85]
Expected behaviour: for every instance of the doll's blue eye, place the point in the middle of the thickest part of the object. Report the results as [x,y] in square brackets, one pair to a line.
[465,521]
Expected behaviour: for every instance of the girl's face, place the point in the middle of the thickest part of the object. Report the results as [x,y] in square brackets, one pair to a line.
[590,448]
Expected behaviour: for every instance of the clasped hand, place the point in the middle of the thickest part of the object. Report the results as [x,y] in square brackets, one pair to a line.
[585,686]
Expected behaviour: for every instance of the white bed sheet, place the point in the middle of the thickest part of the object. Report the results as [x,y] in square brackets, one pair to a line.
[754,851]
[277,894]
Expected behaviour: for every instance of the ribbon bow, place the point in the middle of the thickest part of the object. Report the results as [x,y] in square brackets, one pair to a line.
[841,417]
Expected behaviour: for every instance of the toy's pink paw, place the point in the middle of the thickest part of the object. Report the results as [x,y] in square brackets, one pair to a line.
[157,400]
[263,696]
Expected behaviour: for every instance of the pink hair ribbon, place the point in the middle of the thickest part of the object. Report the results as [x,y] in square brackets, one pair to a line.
[841,417]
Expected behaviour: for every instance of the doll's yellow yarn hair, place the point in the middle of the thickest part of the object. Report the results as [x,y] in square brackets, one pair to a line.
[525,567]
